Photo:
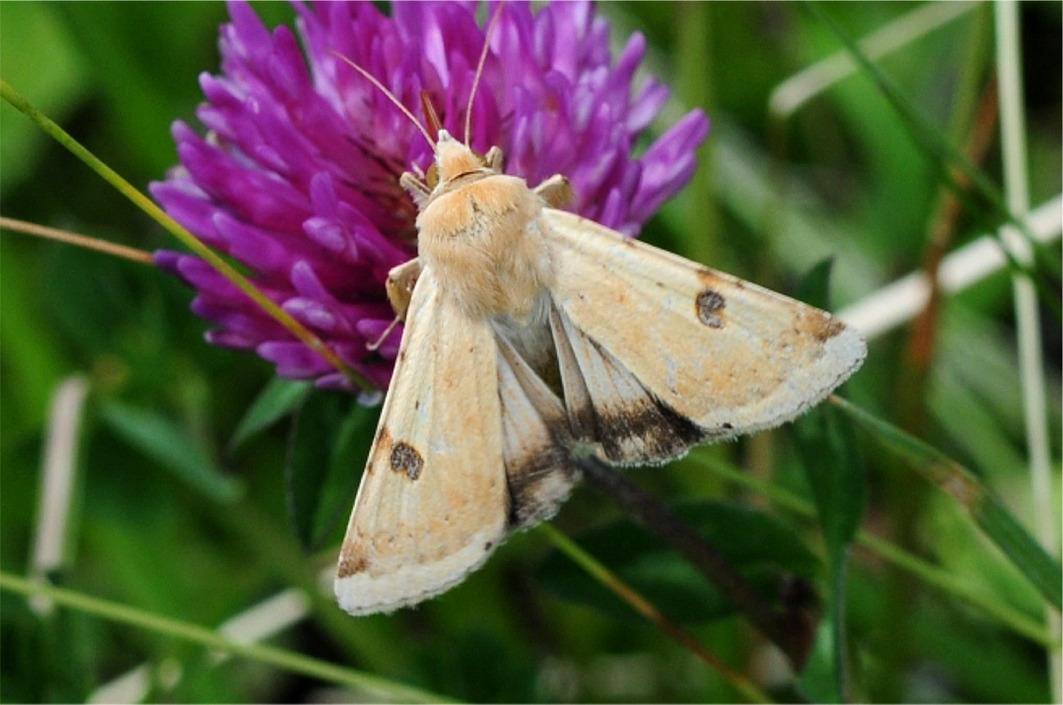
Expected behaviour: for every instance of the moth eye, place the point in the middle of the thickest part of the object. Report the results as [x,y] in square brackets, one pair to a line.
[431,177]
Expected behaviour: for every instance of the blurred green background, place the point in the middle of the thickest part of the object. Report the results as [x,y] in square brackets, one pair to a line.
[203,538]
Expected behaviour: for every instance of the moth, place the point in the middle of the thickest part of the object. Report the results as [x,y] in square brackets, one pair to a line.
[533,335]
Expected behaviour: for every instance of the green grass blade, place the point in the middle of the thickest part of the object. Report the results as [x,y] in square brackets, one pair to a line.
[162,440]
[987,511]
[279,398]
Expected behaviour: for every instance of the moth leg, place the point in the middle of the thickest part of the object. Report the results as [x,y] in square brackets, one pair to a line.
[493,159]
[556,191]
[415,185]
[399,286]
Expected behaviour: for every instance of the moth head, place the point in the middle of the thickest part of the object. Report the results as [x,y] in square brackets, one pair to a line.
[454,159]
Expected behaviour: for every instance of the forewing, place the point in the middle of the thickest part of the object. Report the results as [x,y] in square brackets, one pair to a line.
[727,355]
[432,504]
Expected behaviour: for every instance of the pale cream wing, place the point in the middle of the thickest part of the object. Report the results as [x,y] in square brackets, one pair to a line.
[433,501]
[658,339]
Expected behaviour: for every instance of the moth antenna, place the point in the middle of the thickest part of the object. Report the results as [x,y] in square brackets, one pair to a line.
[390,96]
[480,72]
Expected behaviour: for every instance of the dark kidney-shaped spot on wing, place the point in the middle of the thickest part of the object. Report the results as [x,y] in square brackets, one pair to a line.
[708,305]
[406,459]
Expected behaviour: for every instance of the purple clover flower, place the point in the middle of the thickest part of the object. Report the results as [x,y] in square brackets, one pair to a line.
[297,178]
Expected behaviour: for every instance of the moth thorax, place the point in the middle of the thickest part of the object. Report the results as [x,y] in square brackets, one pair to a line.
[484,243]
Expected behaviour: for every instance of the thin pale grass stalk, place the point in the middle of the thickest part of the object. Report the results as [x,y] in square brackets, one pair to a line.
[211,639]
[953,586]
[188,239]
[89,243]
[644,607]
[58,479]
[130,687]
[1031,362]
[789,96]
[896,303]
[988,512]
[268,617]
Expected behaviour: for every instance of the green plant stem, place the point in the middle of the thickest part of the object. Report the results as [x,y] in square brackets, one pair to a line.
[644,607]
[245,285]
[196,634]
[930,574]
